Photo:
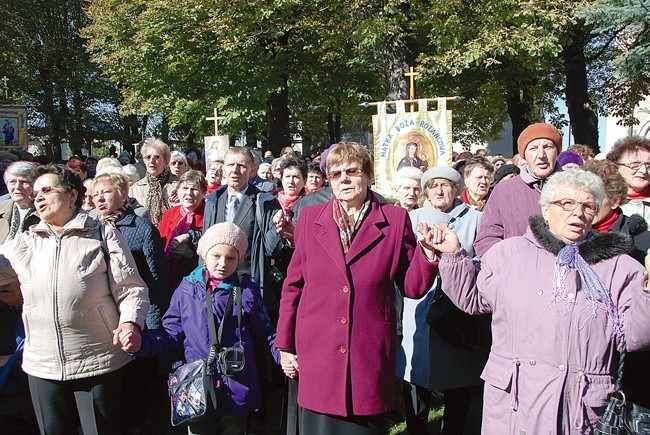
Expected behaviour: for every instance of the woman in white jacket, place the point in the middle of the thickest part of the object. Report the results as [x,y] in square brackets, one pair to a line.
[81,292]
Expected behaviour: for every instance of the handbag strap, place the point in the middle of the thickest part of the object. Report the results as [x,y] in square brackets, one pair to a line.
[619,372]
[235,298]
[214,340]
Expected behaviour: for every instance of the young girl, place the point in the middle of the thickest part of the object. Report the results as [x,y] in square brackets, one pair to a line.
[222,247]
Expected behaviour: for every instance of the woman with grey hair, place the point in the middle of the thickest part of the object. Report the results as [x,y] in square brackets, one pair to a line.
[430,359]
[18,213]
[563,300]
[407,187]
[154,190]
[178,164]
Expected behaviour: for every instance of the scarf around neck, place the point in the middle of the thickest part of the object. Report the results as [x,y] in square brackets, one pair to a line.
[578,256]
[347,224]
[287,201]
[111,219]
[155,200]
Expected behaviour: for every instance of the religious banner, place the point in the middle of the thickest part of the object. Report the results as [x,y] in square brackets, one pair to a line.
[14,127]
[420,139]
[215,144]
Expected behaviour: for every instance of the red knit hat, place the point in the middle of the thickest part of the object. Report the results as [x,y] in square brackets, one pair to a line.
[539,131]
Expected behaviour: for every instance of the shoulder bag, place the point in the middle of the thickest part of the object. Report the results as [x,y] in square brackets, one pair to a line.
[621,416]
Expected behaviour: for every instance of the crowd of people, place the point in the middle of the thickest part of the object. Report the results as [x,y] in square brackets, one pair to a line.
[503,287]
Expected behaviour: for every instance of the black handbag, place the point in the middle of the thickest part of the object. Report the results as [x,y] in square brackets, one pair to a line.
[192,386]
[621,416]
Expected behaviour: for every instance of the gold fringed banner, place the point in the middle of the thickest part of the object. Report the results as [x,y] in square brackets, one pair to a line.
[421,139]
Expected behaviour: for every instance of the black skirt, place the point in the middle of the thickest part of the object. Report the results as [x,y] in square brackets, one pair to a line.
[313,423]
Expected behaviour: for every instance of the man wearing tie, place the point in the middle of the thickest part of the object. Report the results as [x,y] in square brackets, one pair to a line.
[237,201]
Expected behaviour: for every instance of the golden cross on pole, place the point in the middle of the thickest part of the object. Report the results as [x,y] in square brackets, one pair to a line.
[411,75]
[216,118]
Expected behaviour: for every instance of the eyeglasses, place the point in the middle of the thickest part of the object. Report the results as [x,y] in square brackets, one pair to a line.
[589,208]
[350,172]
[635,166]
[153,157]
[47,190]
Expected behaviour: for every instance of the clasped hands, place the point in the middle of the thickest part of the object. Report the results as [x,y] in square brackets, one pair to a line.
[289,362]
[128,337]
[284,225]
[437,238]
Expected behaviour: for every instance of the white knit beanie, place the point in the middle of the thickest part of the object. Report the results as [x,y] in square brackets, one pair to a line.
[224,233]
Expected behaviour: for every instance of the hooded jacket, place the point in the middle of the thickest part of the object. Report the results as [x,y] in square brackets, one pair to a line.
[552,363]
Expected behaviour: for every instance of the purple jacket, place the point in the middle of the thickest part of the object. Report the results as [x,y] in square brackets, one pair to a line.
[507,211]
[338,311]
[186,322]
[552,362]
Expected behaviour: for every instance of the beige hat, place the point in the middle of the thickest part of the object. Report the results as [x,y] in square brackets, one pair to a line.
[224,233]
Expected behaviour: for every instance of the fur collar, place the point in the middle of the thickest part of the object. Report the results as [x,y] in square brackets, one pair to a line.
[598,247]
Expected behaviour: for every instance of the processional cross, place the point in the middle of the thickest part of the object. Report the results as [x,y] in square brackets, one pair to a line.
[5,80]
[411,75]
[216,118]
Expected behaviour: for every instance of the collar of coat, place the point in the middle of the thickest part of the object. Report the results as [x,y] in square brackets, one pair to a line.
[597,247]
[79,222]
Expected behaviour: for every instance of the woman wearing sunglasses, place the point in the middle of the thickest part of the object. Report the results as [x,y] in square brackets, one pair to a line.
[337,330]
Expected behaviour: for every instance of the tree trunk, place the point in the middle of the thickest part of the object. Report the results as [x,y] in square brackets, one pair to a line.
[279,133]
[519,103]
[401,52]
[334,122]
[582,116]
[77,130]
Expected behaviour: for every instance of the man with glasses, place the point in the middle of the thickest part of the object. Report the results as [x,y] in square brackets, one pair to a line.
[632,155]
[513,201]
[154,190]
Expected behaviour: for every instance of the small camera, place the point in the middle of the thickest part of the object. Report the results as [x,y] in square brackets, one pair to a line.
[231,360]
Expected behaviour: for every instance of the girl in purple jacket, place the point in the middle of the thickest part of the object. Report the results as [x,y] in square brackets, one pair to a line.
[221,247]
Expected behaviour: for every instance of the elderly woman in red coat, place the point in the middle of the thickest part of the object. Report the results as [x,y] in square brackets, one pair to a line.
[337,329]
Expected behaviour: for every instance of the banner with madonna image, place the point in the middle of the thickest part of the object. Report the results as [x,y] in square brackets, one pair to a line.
[420,139]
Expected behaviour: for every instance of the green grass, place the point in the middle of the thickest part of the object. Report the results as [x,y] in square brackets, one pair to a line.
[434,416]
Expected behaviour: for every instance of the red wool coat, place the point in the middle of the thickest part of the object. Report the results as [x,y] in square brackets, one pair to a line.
[338,312]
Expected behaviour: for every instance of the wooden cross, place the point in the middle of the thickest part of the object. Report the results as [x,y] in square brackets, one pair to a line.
[216,118]
[411,75]
[5,80]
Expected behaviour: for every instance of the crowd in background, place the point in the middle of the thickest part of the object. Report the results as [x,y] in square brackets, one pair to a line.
[501,287]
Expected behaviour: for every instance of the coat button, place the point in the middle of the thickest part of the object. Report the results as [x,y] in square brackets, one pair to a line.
[532,362]
[570,296]
[344,320]
[346,289]
[522,431]
[561,367]
[539,292]
[342,349]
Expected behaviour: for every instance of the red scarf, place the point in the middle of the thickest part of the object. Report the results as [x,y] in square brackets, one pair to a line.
[287,201]
[645,193]
[467,199]
[212,188]
[604,225]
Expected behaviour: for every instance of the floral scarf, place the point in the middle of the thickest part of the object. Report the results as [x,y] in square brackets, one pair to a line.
[348,226]
[114,217]
[155,200]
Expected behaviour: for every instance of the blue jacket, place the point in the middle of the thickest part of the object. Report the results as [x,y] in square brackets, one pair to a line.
[148,251]
[186,322]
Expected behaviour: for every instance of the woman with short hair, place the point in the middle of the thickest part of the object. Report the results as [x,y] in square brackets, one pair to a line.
[632,156]
[178,164]
[337,312]
[407,187]
[477,174]
[180,227]
[563,300]
[82,292]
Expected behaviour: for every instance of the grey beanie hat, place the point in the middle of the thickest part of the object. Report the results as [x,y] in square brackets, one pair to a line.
[441,172]
[224,233]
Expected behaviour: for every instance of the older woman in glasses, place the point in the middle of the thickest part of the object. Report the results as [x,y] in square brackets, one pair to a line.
[82,293]
[337,313]
[632,155]
[563,299]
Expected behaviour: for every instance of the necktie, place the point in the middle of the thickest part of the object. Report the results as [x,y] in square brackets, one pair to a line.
[232,210]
